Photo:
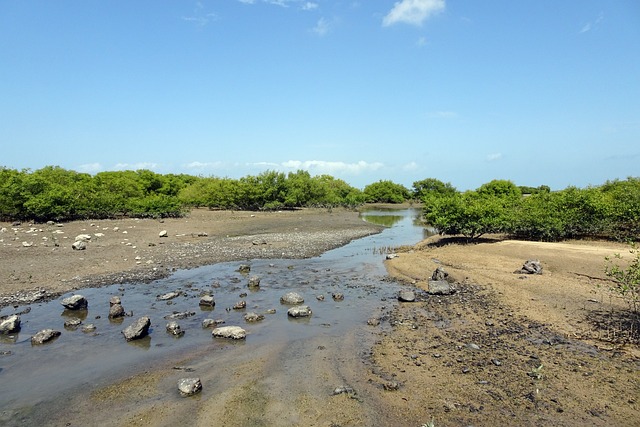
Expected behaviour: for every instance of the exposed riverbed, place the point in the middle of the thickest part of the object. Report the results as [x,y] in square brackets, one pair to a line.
[286,370]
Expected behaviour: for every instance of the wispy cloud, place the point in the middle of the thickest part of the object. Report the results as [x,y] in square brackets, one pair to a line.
[200,18]
[494,157]
[421,42]
[322,27]
[413,12]
[205,165]
[443,115]
[309,6]
[136,166]
[589,25]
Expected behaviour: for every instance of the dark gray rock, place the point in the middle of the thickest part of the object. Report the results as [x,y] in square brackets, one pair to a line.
[406,295]
[189,386]
[291,298]
[10,325]
[75,302]
[299,311]
[138,329]
[337,296]
[244,268]
[45,336]
[72,323]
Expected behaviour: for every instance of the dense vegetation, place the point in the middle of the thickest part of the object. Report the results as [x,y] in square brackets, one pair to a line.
[54,193]
[611,210]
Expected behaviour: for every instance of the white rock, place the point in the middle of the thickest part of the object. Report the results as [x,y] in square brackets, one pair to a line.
[233,332]
[83,237]
[163,233]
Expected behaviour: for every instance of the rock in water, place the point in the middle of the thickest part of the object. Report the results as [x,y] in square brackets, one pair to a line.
[299,311]
[44,336]
[189,386]
[291,298]
[116,311]
[75,302]
[254,282]
[174,329]
[10,325]
[138,329]
[233,332]
[253,317]
[406,295]
[207,301]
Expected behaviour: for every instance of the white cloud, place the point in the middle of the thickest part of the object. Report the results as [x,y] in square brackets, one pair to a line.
[413,12]
[323,167]
[204,165]
[411,166]
[493,157]
[322,27]
[90,167]
[421,41]
[309,6]
[136,166]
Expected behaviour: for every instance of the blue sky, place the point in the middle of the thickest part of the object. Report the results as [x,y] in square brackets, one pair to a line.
[537,92]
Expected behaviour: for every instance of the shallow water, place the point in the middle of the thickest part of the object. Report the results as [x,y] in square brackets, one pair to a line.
[76,360]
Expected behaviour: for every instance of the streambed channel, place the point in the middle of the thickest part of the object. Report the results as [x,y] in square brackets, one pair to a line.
[82,376]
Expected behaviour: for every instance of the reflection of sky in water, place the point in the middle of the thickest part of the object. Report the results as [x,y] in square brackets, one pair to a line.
[355,270]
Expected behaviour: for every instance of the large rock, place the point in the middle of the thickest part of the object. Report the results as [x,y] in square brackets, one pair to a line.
[440,287]
[44,336]
[138,329]
[299,311]
[291,298]
[232,332]
[189,386]
[10,325]
[531,266]
[75,302]
[406,295]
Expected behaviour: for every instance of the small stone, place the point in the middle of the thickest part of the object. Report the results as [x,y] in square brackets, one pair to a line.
[189,386]
[72,323]
[89,327]
[174,329]
[337,296]
[320,297]
[79,245]
[240,305]
[253,317]
[138,329]
[254,282]
[406,295]
[244,268]
[116,311]
[299,311]
[207,301]
[168,296]
[391,386]
[373,321]
[163,233]
[115,300]
[207,323]
[440,287]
